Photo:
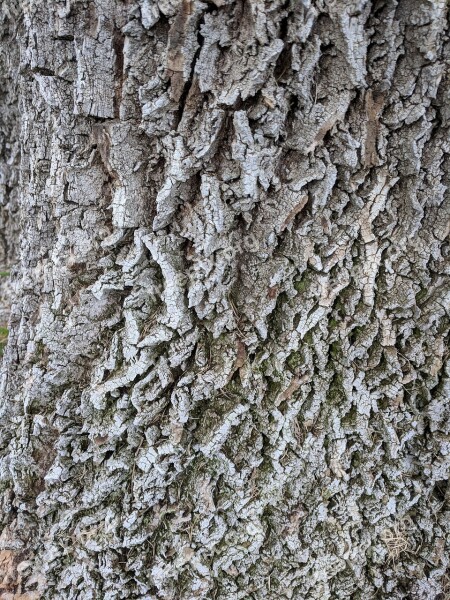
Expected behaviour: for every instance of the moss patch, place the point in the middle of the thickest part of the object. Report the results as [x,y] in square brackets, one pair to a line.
[3,339]
[294,361]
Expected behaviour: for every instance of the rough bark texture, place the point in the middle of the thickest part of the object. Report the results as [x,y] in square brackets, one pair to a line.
[9,161]
[225,375]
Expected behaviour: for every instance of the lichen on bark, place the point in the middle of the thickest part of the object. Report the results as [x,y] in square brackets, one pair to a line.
[227,368]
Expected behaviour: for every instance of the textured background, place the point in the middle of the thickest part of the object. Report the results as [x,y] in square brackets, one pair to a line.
[226,370]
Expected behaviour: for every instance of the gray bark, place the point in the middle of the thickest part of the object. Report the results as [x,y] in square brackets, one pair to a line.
[226,374]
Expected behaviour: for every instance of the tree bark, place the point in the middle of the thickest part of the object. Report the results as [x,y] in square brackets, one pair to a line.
[227,368]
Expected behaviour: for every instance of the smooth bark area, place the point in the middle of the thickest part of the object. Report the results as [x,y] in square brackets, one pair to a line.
[224,228]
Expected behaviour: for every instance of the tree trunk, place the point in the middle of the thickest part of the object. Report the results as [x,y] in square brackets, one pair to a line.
[225,375]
